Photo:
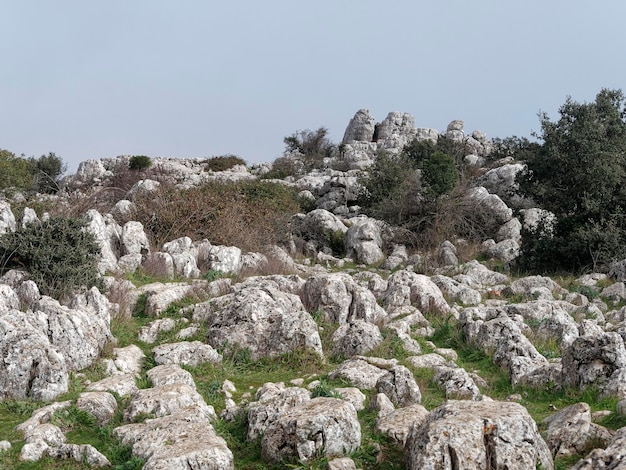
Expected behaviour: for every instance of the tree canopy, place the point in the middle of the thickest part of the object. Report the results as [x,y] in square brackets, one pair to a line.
[578,172]
[30,174]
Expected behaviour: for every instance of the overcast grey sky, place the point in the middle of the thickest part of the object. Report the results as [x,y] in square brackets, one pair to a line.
[193,78]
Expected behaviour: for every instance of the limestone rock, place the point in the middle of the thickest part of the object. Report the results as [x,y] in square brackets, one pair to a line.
[168,374]
[493,207]
[165,400]
[266,321]
[150,332]
[613,457]
[477,435]
[356,337]
[82,453]
[180,441]
[360,128]
[341,299]
[32,367]
[341,463]
[273,400]
[364,241]
[226,259]
[406,288]
[571,432]
[397,424]
[127,360]
[359,372]
[457,383]
[100,404]
[123,385]
[396,125]
[592,359]
[492,330]
[134,240]
[457,291]
[400,386]
[7,219]
[447,254]
[327,426]
[188,353]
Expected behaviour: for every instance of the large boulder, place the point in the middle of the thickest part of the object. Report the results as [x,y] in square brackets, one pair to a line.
[356,337]
[360,128]
[611,458]
[571,432]
[41,346]
[364,241]
[400,386]
[495,333]
[7,219]
[31,366]
[326,426]
[273,400]
[341,299]
[406,288]
[264,321]
[477,435]
[592,359]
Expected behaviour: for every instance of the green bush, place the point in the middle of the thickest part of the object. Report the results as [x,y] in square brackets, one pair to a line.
[406,190]
[139,162]
[59,255]
[224,162]
[578,173]
[440,173]
[30,174]
[47,171]
[15,172]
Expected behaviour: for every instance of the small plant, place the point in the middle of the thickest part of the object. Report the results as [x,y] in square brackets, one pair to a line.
[324,389]
[60,255]
[213,274]
[224,162]
[139,162]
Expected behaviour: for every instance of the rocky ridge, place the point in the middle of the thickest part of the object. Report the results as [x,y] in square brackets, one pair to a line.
[371,323]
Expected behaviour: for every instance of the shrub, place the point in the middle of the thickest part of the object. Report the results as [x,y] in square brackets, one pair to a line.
[247,214]
[59,255]
[284,167]
[440,173]
[224,162]
[312,146]
[15,172]
[139,162]
[47,170]
[30,174]
[422,192]
[579,173]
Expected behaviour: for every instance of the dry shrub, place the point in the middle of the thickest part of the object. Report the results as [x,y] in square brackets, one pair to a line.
[224,162]
[250,214]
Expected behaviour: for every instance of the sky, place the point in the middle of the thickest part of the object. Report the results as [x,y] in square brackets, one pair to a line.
[202,78]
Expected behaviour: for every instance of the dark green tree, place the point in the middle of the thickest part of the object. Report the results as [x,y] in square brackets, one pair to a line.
[578,172]
[46,173]
[59,254]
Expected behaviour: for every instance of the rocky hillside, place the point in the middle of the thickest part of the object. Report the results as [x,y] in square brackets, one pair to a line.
[233,333]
